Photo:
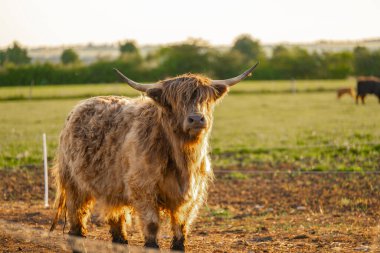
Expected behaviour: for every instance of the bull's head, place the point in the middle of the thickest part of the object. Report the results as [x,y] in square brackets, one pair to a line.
[188,99]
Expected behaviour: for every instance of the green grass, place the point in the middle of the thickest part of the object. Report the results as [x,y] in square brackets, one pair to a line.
[63,91]
[236,175]
[219,212]
[81,91]
[275,129]
[309,130]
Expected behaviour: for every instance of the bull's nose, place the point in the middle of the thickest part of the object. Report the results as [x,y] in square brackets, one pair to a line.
[196,120]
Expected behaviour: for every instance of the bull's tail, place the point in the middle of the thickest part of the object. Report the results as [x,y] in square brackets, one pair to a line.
[60,199]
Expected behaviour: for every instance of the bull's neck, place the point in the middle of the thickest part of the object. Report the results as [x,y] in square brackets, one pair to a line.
[186,154]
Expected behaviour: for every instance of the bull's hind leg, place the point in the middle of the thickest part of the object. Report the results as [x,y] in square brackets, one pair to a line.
[79,206]
[118,221]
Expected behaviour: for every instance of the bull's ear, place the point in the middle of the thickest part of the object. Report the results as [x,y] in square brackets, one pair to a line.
[155,94]
[221,90]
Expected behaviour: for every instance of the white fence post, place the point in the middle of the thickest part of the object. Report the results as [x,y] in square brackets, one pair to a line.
[45,170]
[294,86]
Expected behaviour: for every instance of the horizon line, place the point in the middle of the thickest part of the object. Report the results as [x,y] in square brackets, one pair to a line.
[283,42]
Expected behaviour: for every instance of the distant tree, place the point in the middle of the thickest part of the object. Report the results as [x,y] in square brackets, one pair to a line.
[281,62]
[303,64]
[69,56]
[337,64]
[16,55]
[376,60]
[133,61]
[227,64]
[366,62]
[293,62]
[280,51]
[248,47]
[2,57]
[190,56]
[128,46]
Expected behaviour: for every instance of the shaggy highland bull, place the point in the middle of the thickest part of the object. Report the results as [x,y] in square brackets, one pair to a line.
[142,155]
[367,85]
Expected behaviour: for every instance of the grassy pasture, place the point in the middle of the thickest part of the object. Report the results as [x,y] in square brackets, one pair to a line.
[259,124]
[78,91]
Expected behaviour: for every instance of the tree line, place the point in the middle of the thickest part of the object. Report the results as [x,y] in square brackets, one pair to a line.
[194,56]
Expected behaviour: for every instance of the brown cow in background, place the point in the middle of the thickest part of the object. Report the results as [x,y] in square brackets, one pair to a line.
[146,155]
[342,91]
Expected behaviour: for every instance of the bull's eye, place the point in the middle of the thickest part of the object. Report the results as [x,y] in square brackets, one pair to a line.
[193,96]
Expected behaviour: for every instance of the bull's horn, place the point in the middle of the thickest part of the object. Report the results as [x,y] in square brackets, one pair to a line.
[235,80]
[135,85]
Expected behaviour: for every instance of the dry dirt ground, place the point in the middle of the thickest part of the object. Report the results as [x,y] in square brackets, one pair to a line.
[262,213]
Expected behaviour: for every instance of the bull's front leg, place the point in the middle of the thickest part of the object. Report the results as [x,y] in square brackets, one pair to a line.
[148,213]
[118,228]
[181,220]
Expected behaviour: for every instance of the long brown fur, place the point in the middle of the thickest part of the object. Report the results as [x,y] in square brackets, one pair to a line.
[60,202]
[134,154]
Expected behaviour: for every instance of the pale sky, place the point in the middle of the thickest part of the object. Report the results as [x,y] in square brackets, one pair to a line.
[65,22]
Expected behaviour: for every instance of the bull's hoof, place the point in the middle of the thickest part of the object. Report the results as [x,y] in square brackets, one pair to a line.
[120,240]
[152,244]
[77,233]
[178,244]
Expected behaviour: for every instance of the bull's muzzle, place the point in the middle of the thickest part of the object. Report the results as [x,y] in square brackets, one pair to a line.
[196,121]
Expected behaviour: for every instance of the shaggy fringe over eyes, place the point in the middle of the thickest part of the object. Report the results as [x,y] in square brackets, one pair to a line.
[185,89]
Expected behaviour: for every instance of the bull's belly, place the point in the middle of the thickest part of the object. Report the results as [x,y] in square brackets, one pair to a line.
[105,184]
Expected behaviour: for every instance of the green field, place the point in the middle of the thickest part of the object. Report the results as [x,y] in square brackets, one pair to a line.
[80,91]
[261,125]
